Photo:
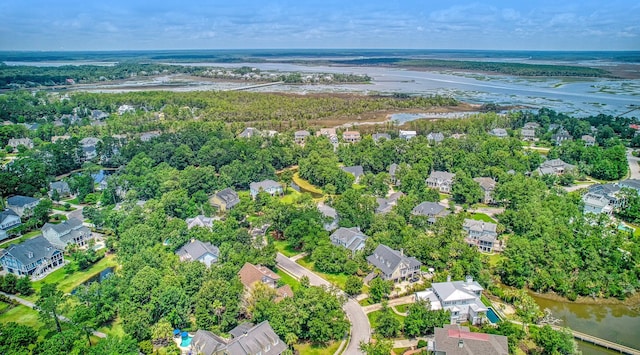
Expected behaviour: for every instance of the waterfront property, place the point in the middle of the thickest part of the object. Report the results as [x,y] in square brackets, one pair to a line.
[441,181]
[246,339]
[225,199]
[269,186]
[350,238]
[481,234]
[393,264]
[460,298]
[34,257]
[196,250]
[407,135]
[351,136]
[562,135]
[22,205]
[458,340]
[68,232]
[378,136]
[431,210]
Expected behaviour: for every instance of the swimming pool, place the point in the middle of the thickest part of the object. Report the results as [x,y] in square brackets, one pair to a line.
[493,317]
[186,342]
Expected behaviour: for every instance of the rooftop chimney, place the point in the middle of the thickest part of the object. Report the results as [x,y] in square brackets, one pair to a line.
[448,278]
[469,278]
[460,343]
[401,252]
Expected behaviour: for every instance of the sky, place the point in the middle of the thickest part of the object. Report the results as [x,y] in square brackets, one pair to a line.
[238,24]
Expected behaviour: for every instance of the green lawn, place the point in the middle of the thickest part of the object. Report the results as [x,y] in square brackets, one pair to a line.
[402,308]
[482,217]
[285,248]
[373,318]
[365,302]
[339,280]
[68,282]
[73,201]
[61,208]
[23,315]
[21,239]
[3,306]
[288,279]
[310,349]
[114,329]
[290,197]
[494,259]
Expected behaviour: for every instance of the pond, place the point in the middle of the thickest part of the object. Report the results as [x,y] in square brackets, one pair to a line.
[96,278]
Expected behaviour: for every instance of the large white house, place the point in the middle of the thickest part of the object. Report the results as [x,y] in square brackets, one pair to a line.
[65,233]
[461,298]
[441,181]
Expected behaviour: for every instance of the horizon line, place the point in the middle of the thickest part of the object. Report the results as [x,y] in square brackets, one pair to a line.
[310,48]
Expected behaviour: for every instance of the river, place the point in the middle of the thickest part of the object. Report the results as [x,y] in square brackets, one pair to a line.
[614,322]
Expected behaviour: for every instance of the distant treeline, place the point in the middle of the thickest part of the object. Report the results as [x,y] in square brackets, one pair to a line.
[518,69]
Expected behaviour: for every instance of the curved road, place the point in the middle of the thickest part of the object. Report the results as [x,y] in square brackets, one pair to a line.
[634,168]
[360,327]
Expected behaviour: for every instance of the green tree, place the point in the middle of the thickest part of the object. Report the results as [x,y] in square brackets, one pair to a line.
[379,346]
[465,189]
[353,285]
[50,302]
[379,289]
[24,287]
[388,325]
[554,342]
[16,338]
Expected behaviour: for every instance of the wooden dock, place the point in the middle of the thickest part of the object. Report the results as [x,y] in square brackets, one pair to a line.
[255,86]
[601,342]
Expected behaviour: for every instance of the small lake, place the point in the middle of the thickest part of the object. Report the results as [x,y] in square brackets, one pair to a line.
[96,278]
[614,322]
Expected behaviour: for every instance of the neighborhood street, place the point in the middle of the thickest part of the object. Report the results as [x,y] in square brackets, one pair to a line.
[360,327]
[634,168]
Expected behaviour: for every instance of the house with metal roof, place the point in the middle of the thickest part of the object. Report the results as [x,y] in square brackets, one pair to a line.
[461,298]
[225,199]
[407,135]
[247,339]
[431,210]
[22,205]
[34,257]
[441,181]
[196,250]
[68,232]
[480,234]
[393,264]
[453,339]
[269,186]
[351,238]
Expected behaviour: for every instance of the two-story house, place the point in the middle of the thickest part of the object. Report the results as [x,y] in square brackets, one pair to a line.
[435,137]
[441,181]
[562,135]
[555,166]
[22,205]
[357,172]
[16,142]
[225,199]
[461,298]
[249,132]
[201,221]
[480,234]
[487,185]
[252,274]
[499,132]
[431,210]
[385,205]
[329,133]
[196,250]
[407,135]
[269,186]
[350,238]
[301,136]
[68,232]
[61,187]
[596,204]
[453,339]
[9,219]
[351,136]
[528,134]
[34,257]
[378,136]
[330,216]
[589,141]
[393,264]
[246,339]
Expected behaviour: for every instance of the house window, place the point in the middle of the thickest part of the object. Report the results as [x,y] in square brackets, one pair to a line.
[267,348]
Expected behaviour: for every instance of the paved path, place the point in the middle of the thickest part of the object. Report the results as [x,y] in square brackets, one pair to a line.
[360,327]
[634,168]
[33,306]
[393,302]
[407,343]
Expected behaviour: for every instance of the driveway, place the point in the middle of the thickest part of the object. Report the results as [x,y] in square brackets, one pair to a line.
[360,327]
[634,168]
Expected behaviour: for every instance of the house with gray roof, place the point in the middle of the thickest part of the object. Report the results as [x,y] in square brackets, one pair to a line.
[62,187]
[407,135]
[528,134]
[431,210]
[630,184]
[22,205]
[196,250]
[611,192]
[589,141]
[441,181]
[480,234]
[562,135]
[555,166]
[98,115]
[499,132]
[393,264]
[225,199]
[147,136]
[385,205]
[461,298]
[34,257]
[249,132]
[16,142]
[71,231]
[88,146]
[8,220]
[487,185]
[269,186]
[349,238]
[531,125]
[435,137]
[201,221]
[393,168]
[596,204]
[330,215]
[453,339]
[356,171]
[378,136]
[247,339]
[301,136]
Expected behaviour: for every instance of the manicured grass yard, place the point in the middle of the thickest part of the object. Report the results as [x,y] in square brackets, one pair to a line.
[21,239]
[310,349]
[402,308]
[73,201]
[288,279]
[67,283]
[285,248]
[291,196]
[115,329]
[494,259]
[482,217]
[373,318]
[336,279]
[21,314]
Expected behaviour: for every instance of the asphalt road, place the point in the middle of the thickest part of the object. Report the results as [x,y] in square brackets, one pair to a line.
[360,327]
[634,168]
